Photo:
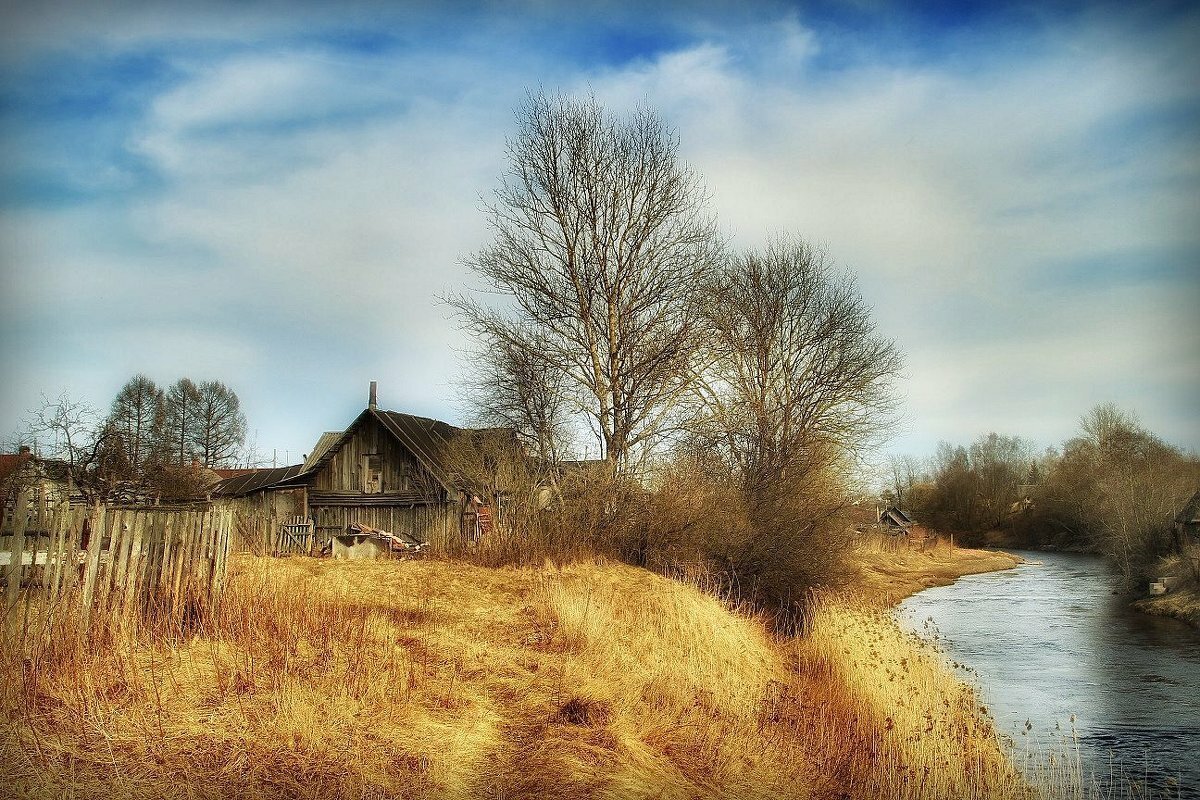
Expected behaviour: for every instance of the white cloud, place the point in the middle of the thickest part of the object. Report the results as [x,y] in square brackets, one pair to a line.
[312,206]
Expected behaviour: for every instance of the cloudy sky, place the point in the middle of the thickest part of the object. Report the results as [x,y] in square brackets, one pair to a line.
[274,194]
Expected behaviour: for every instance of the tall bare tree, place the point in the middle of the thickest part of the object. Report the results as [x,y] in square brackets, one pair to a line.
[136,419]
[600,238]
[180,404]
[797,377]
[219,427]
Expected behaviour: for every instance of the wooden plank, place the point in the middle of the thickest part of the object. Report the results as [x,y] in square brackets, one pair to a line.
[131,571]
[67,577]
[163,572]
[95,523]
[52,564]
[118,559]
[179,543]
[192,564]
[20,518]
[104,572]
[202,569]
[221,555]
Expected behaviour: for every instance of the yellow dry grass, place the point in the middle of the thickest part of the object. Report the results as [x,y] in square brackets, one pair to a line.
[437,679]
[885,572]
[895,721]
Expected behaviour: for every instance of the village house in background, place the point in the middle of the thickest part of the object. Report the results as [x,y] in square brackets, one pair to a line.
[34,482]
[387,473]
[1187,534]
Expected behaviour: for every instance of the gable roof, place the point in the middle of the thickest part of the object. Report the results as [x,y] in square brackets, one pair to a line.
[427,439]
[1190,513]
[896,517]
[328,439]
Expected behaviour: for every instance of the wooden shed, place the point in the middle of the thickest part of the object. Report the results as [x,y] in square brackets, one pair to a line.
[1187,533]
[387,470]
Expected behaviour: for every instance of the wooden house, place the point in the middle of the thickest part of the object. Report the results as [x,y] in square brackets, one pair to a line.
[387,471]
[895,521]
[1186,529]
[33,483]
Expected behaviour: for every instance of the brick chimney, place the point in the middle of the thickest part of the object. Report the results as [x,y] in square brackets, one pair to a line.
[372,402]
[24,453]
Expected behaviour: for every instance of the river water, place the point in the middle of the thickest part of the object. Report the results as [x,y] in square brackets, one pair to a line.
[1057,655]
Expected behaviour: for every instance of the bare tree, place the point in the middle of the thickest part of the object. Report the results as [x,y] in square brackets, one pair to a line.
[797,378]
[180,404]
[600,238]
[793,383]
[74,439]
[136,419]
[514,385]
[219,426]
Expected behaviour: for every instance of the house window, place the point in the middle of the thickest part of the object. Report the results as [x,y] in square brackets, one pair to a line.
[373,474]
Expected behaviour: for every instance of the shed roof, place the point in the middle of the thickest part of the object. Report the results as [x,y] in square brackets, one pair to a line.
[245,483]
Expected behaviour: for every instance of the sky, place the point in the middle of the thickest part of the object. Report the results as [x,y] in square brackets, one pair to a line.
[276,195]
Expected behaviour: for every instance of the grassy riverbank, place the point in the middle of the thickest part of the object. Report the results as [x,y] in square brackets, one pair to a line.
[884,574]
[438,679]
[1182,604]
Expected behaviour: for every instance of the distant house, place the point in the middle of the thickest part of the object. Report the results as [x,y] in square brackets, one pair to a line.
[895,521]
[37,483]
[387,471]
[1187,529]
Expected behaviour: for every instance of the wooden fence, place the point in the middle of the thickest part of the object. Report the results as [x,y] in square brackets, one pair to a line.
[122,560]
[262,533]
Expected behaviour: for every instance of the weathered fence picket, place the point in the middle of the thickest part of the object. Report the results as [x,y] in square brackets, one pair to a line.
[114,561]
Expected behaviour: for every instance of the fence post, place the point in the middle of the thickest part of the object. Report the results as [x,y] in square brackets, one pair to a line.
[16,559]
[132,566]
[95,525]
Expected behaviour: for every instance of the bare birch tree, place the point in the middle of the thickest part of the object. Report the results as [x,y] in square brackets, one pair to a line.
[600,239]
[797,377]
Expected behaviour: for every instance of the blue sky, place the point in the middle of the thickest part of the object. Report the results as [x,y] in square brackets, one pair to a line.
[274,195]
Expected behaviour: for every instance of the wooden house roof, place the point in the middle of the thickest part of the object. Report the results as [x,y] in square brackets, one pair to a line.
[894,516]
[427,439]
[328,439]
[1190,513]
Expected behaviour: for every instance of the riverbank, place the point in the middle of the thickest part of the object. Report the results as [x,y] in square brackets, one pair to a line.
[1182,604]
[440,679]
[883,573]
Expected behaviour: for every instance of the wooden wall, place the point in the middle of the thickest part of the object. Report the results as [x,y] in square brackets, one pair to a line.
[436,523]
[344,472]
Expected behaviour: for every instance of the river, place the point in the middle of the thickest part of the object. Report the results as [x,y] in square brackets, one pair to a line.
[1052,649]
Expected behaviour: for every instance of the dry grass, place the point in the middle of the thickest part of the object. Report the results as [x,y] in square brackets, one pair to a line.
[885,574]
[892,719]
[438,679]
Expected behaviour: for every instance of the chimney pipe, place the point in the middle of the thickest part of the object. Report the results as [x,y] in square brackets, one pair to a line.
[371,403]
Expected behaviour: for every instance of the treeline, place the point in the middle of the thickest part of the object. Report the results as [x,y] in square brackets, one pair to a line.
[153,442]
[728,393]
[1112,489]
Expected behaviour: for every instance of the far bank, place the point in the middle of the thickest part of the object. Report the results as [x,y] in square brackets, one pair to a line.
[885,572]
